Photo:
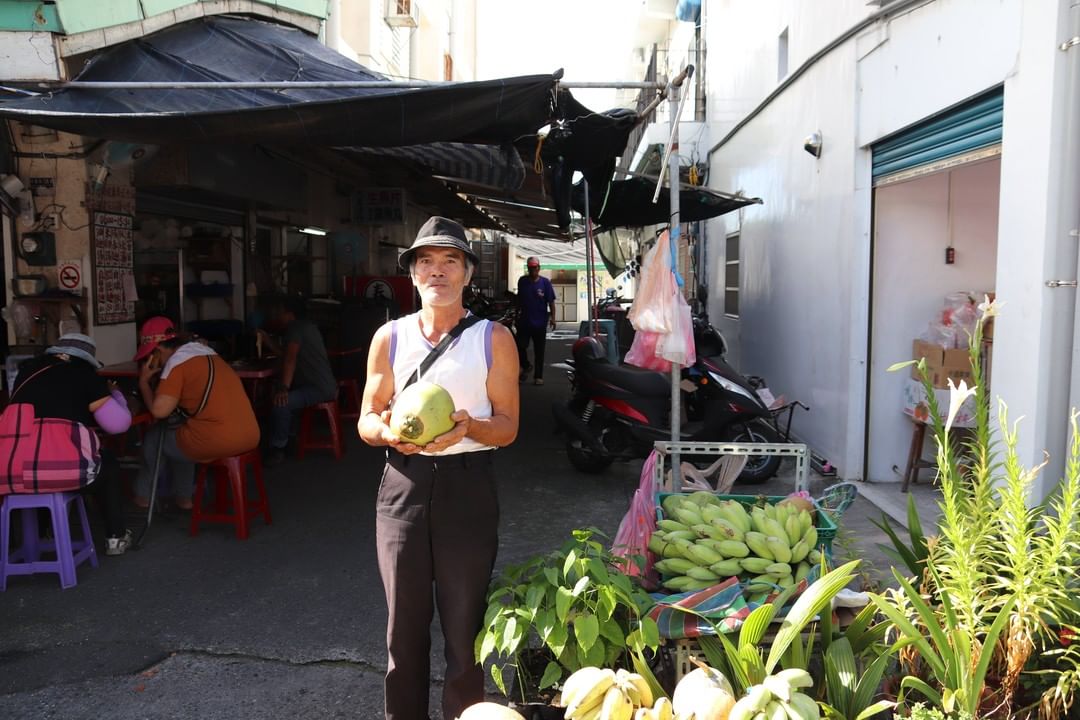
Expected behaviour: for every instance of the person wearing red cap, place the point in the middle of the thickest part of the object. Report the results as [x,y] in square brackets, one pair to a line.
[437,514]
[536,298]
[196,384]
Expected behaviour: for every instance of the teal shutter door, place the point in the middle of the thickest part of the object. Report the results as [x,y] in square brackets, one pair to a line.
[973,125]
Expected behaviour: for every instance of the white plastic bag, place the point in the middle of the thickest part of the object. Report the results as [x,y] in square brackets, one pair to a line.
[678,345]
[653,308]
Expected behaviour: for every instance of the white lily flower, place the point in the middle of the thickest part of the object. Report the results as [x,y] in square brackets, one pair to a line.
[957,397]
[989,308]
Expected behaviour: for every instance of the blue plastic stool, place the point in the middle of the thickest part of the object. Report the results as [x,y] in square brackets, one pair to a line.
[26,560]
[607,333]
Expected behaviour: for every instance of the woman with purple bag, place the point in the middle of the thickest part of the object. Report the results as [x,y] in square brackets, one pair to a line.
[63,383]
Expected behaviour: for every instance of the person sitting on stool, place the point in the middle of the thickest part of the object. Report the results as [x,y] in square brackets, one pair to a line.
[304,377]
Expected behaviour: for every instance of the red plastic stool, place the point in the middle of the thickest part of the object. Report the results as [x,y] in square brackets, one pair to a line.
[349,391]
[308,441]
[231,480]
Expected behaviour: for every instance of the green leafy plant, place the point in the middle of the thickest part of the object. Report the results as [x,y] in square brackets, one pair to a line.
[999,578]
[920,711]
[745,663]
[850,694]
[568,609]
[911,553]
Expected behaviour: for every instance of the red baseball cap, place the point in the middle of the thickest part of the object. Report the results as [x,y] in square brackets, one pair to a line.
[153,331]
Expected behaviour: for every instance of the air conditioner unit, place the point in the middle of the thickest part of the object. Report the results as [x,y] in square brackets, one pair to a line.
[402,13]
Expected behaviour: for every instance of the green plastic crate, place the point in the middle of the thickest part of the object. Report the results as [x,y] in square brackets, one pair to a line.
[826,525]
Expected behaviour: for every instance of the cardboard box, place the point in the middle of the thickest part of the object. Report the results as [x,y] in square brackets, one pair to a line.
[933,354]
[916,407]
[942,364]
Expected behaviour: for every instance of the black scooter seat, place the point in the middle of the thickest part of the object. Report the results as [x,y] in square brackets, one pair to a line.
[647,383]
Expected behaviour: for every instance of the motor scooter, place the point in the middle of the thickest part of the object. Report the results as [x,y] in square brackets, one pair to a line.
[620,411]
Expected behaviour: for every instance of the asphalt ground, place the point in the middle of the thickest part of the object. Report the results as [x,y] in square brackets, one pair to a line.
[291,622]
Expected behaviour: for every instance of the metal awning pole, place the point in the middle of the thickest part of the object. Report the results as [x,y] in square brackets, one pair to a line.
[675,234]
[589,261]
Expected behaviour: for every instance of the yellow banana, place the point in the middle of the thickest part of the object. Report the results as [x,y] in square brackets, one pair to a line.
[756,542]
[811,537]
[775,711]
[726,568]
[776,530]
[778,687]
[793,528]
[638,690]
[668,525]
[799,551]
[729,530]
[580,682]
[755,565]
[702,573]
[644,714]
[779,548]
[663,709]
[756,700]
[617,705]
[592,694]
[805,706]
[703,555]
[796,677]
[778,569]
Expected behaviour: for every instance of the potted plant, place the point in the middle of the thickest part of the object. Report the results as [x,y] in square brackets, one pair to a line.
[562,611]
[992,591]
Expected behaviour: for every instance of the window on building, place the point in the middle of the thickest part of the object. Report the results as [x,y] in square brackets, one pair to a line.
[731,276]
[782,56]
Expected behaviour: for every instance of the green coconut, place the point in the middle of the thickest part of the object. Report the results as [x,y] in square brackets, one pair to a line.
[422,413]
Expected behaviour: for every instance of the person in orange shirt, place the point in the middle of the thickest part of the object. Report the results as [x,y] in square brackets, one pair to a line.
[196,384]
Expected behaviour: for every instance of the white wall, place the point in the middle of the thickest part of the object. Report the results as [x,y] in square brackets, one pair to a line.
[796,271]
[805,252]
[911,279]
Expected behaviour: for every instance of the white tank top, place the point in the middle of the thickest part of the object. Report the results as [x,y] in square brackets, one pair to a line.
[462,369]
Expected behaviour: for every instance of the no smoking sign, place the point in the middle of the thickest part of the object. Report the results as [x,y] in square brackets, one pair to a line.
[69,275]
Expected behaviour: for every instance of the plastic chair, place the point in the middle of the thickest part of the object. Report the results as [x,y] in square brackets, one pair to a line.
[307,439]
[26,560]
[230,475]
[349,393]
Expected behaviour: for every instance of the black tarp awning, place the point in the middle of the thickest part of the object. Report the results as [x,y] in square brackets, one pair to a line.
[629,204]
[228,49]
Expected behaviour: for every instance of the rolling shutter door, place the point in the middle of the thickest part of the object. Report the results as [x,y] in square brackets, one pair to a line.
[968,132]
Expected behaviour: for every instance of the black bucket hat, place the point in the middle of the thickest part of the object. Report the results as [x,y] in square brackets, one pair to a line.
[439,232]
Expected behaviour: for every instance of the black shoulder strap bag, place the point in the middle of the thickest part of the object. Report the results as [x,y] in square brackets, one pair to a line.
[464,324]
[179,416]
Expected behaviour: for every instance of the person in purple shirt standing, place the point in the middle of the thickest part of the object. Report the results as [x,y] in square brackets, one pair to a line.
[536,298]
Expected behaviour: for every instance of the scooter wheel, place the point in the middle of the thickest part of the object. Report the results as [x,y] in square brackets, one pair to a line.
[759,468]
[585,460]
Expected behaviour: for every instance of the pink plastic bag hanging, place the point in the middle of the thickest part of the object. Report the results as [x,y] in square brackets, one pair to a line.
[643,352]
[653,308]
[637,526]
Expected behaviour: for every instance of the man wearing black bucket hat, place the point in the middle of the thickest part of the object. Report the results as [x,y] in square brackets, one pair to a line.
[437,513]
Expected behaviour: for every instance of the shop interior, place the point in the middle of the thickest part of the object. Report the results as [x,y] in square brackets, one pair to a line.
[935,234]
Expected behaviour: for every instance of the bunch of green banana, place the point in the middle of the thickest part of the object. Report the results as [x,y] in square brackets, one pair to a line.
[704,540]
[778,697]
[594,693]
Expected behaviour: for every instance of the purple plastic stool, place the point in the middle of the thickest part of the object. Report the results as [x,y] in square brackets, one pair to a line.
[27,559]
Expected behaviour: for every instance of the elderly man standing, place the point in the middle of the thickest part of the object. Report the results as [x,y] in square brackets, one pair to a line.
[437,514]
[536,298]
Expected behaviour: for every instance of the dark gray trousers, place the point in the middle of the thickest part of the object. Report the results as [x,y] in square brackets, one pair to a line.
[436,532]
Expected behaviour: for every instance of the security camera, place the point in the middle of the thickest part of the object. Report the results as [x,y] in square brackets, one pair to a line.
[812,144]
